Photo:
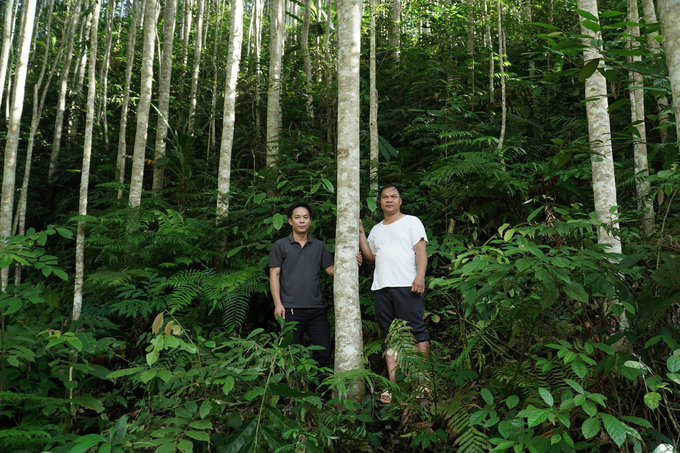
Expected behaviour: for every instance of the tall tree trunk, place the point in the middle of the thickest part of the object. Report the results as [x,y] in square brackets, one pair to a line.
[63,90]
[304,44]
[198,50]
[81,67]
[187,17]
[229,118]
[487,38]
[348,337]
[258,74]
[669,14]
[213,104]
[11,60]
[637,116]
[104,73]
[501,67]
[471,45]
[373,109]
[13,129]
[85,172]
[655,47]
[274,96]
[6,45]
[144,104]
[599,134]
[394,39]
[137,7]
[326,41]
[164,93]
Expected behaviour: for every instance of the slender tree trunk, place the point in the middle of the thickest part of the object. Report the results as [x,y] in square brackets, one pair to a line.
[13,129]
[599,134]
[144,105]
[394,39]
[637,115]
[137,7]
[85,172]
[655,47]
[348,337]
[669,14]
[104,73]
[492,70]
[213,104]
[6,45]
[327,38]
[63,89]
[501,67]
[229,118]
[164,93]
[187,17]
[198,49]
[81,67]
[274,97]
[11,61]
[258,74]
[304,44]
[373,109]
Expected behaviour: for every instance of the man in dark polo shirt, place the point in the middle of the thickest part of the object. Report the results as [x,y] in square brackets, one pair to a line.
[294,265]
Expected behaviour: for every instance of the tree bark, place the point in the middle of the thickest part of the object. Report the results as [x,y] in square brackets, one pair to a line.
[13,129]
[492,70]
[164,93]
[198,50]
[502,68]
[85,172]
[104,73]
[637,116]
[307,60]
[274,95]
[213,104]
[6,45]
[186,31]
[394,38]
[144,104]
[229,118]
[669,14]
[373,110]
[348,330]
[655,48]
[599,134]
[130,59]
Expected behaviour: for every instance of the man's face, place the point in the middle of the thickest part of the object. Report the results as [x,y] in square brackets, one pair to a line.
[300,220]
[390,201]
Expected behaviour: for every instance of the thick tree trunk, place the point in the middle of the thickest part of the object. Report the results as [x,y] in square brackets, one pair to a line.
[137,8]
[307,60]
[599,134]
[233,60]
[63,89]
[394,38]
[655,47]
[144,104]
[6,45]
[164,93]
[637,116]
[669,14]
[348,329]
[373,109]
[85,172]
[13,129]
[198,50]
[274,95]
[258,75]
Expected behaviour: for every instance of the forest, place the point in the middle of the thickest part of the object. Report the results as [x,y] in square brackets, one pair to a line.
[151,151]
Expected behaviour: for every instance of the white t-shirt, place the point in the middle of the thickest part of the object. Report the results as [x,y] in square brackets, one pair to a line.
[395,259]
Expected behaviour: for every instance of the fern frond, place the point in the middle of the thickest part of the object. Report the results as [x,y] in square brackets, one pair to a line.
[401,342]
[456,415]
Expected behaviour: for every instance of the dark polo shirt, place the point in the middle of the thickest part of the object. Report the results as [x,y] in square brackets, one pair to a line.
[300,270]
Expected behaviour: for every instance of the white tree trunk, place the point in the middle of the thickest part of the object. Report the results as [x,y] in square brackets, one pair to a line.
[274,95]
[258,72]
[487,35]
[187,17]
[373,109]
[655,47]
[164,93]
[6,45]
[85,171]
[307,60]
[348,329]
[130,59]
[669,14]
[13,129]
[63,89]
[637,116]
[81,67]
[394,38]
[11,60]
[326,41]
[104,73]
[502,68]
[599,134]
[198,50]
[213,104]
[229,117]
[144,104]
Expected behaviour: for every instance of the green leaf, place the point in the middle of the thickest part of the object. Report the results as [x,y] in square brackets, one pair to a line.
[201,424]
[547,397]
[638,421]
[198,435]
[328,184]
[75,343]
[286,391]
[615,429]
[478,417]
[591,427]
[68,234]
[205,408]
[588,70]
[512,401]
[370,202]
[652,400]
[589,408]
[148,375]
[579,368]
[90,402]
[259,197]
[239,437]
[124,372]
[575,385]
[185,446]
[523,263]
[536,417]
[673,363]
[575,291]
[165,375]
[235,250]
[86,442]
[228,385]
[488,397]
[277,221]
[633,364]
[674,377]
[106,448]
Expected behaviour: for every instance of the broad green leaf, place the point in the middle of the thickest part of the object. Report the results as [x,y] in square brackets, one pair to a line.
[370,202]
[674,377]
[579,368]
[589,408]
[198,435]
[673,363]
[575,291]
[239,437]
[90,402]
[537,416]
[277,221]
[228,385]
[106,448]
[205,408]
[488,397]
[68,234]
[634,364]
[638,421]
[185,446]
[201,424]
[575,385]
[86,442]
[549,297]
[165,375]
[523,263]
[547,397]
[235,250]
[328,184]
[564,418]
[652,400]
[615,429]
[124,372]
[254,393]
[591,427]
[75,343]
[148,375]
[590,67]
[477,417]
[512,401]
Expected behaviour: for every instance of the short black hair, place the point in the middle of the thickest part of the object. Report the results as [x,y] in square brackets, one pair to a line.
[388,186]
[298,204]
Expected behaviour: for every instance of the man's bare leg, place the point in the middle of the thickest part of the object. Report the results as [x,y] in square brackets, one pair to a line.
[391,362]
[423,347]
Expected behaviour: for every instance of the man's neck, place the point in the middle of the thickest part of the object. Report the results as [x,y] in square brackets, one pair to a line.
[301,238]
[391,218]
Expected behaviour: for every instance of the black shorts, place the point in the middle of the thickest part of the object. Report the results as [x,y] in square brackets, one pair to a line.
[392,303]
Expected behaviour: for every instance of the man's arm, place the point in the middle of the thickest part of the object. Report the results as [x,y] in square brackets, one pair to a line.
[420,248]
[275,288]
[330,270]
[364,247]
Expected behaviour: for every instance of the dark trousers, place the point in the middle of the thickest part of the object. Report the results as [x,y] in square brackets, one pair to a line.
[315,322]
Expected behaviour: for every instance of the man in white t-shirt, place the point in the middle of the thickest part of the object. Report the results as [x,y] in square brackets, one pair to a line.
[397,246]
